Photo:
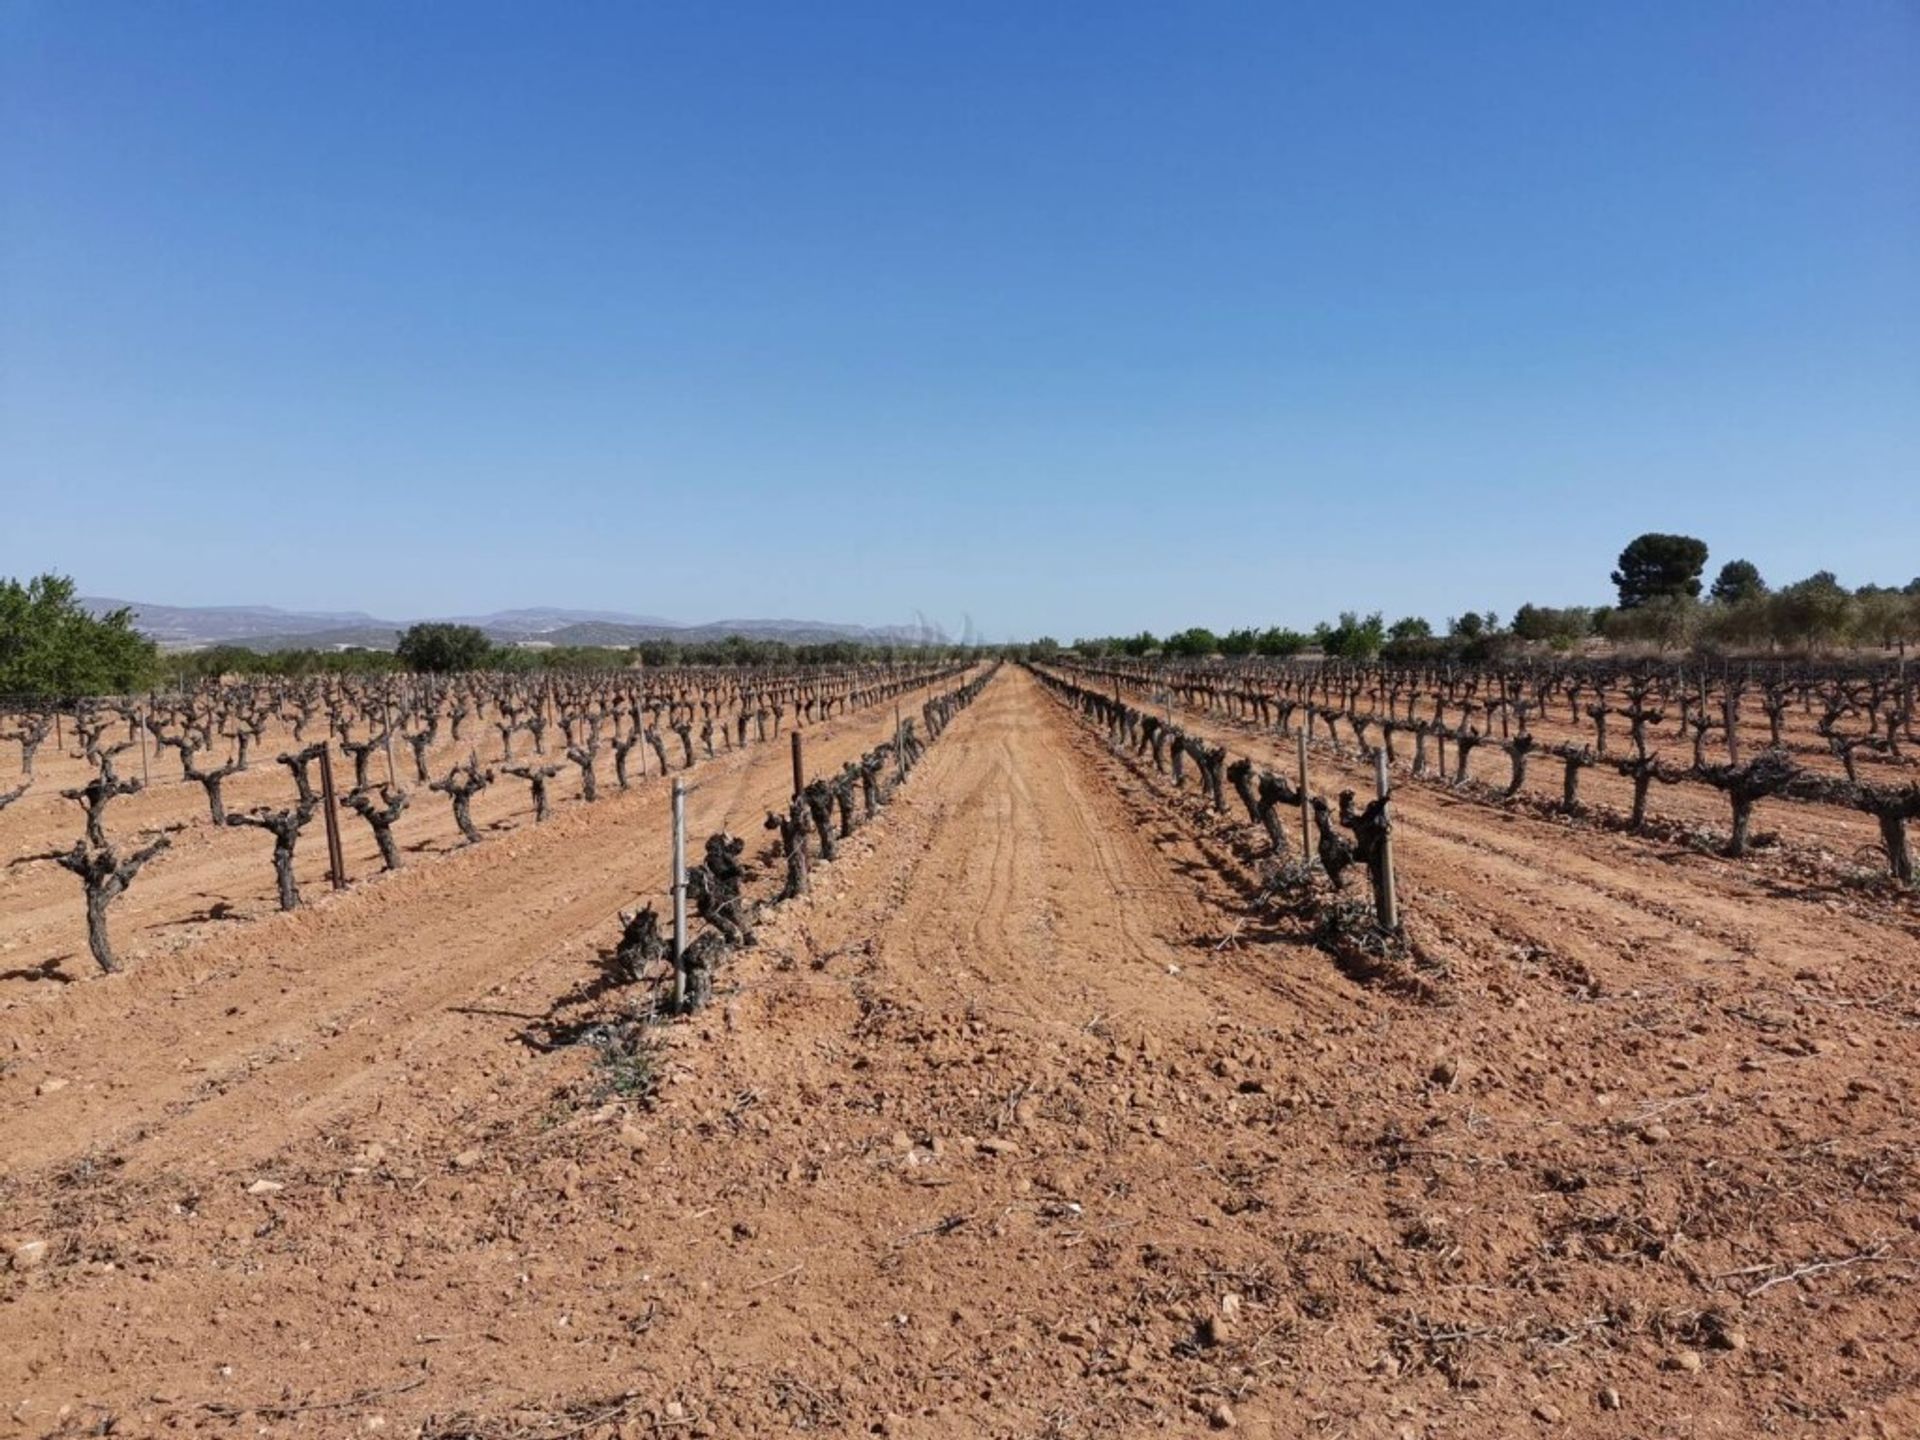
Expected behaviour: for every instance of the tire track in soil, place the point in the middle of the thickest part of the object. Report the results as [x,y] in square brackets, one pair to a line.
[997,979]
[1078,921]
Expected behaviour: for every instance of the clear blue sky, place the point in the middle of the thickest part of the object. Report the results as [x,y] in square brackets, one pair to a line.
[1074,318]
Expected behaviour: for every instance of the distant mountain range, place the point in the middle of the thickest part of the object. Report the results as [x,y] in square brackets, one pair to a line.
[265,628]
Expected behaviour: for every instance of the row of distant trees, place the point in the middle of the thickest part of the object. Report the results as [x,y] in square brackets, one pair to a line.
[443,648]
[52,648]
[1663,603]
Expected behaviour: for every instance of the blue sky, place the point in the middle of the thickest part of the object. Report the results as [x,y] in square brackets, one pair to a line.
[1069,318]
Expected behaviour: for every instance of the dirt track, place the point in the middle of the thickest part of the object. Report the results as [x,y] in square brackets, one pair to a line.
[1019,1126]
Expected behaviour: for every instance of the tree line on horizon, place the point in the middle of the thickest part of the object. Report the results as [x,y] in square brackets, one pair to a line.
[1659,581]
[52,648]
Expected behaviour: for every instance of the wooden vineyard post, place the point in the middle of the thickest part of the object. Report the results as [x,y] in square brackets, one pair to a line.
[799,768]
[1733,727]
[1306,803]
[899,749]
[336,862]
[679,895]
[140,724]
[1386,902]
[386,724]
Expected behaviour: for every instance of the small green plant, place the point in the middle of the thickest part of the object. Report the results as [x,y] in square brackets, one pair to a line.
[627,1060]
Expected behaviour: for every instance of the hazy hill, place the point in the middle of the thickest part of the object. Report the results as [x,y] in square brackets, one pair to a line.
[267,628]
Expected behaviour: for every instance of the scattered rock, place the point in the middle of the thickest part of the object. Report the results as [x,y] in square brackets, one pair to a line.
[1609,1398]
[630,1137]
[29,1255]
[1547,1414]
[466,1159]
[265,1187]
[51,1087]
[1566,1182]
[1221,1417]
[1655,1134]
[1684,1360]
[997,1146]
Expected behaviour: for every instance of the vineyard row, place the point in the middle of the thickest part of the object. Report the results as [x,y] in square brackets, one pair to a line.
[1366,700]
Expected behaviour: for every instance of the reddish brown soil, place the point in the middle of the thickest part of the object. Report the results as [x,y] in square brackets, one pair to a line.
[1022,1124]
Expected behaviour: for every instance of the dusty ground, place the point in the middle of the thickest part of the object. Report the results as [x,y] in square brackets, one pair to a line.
[1021,1125]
